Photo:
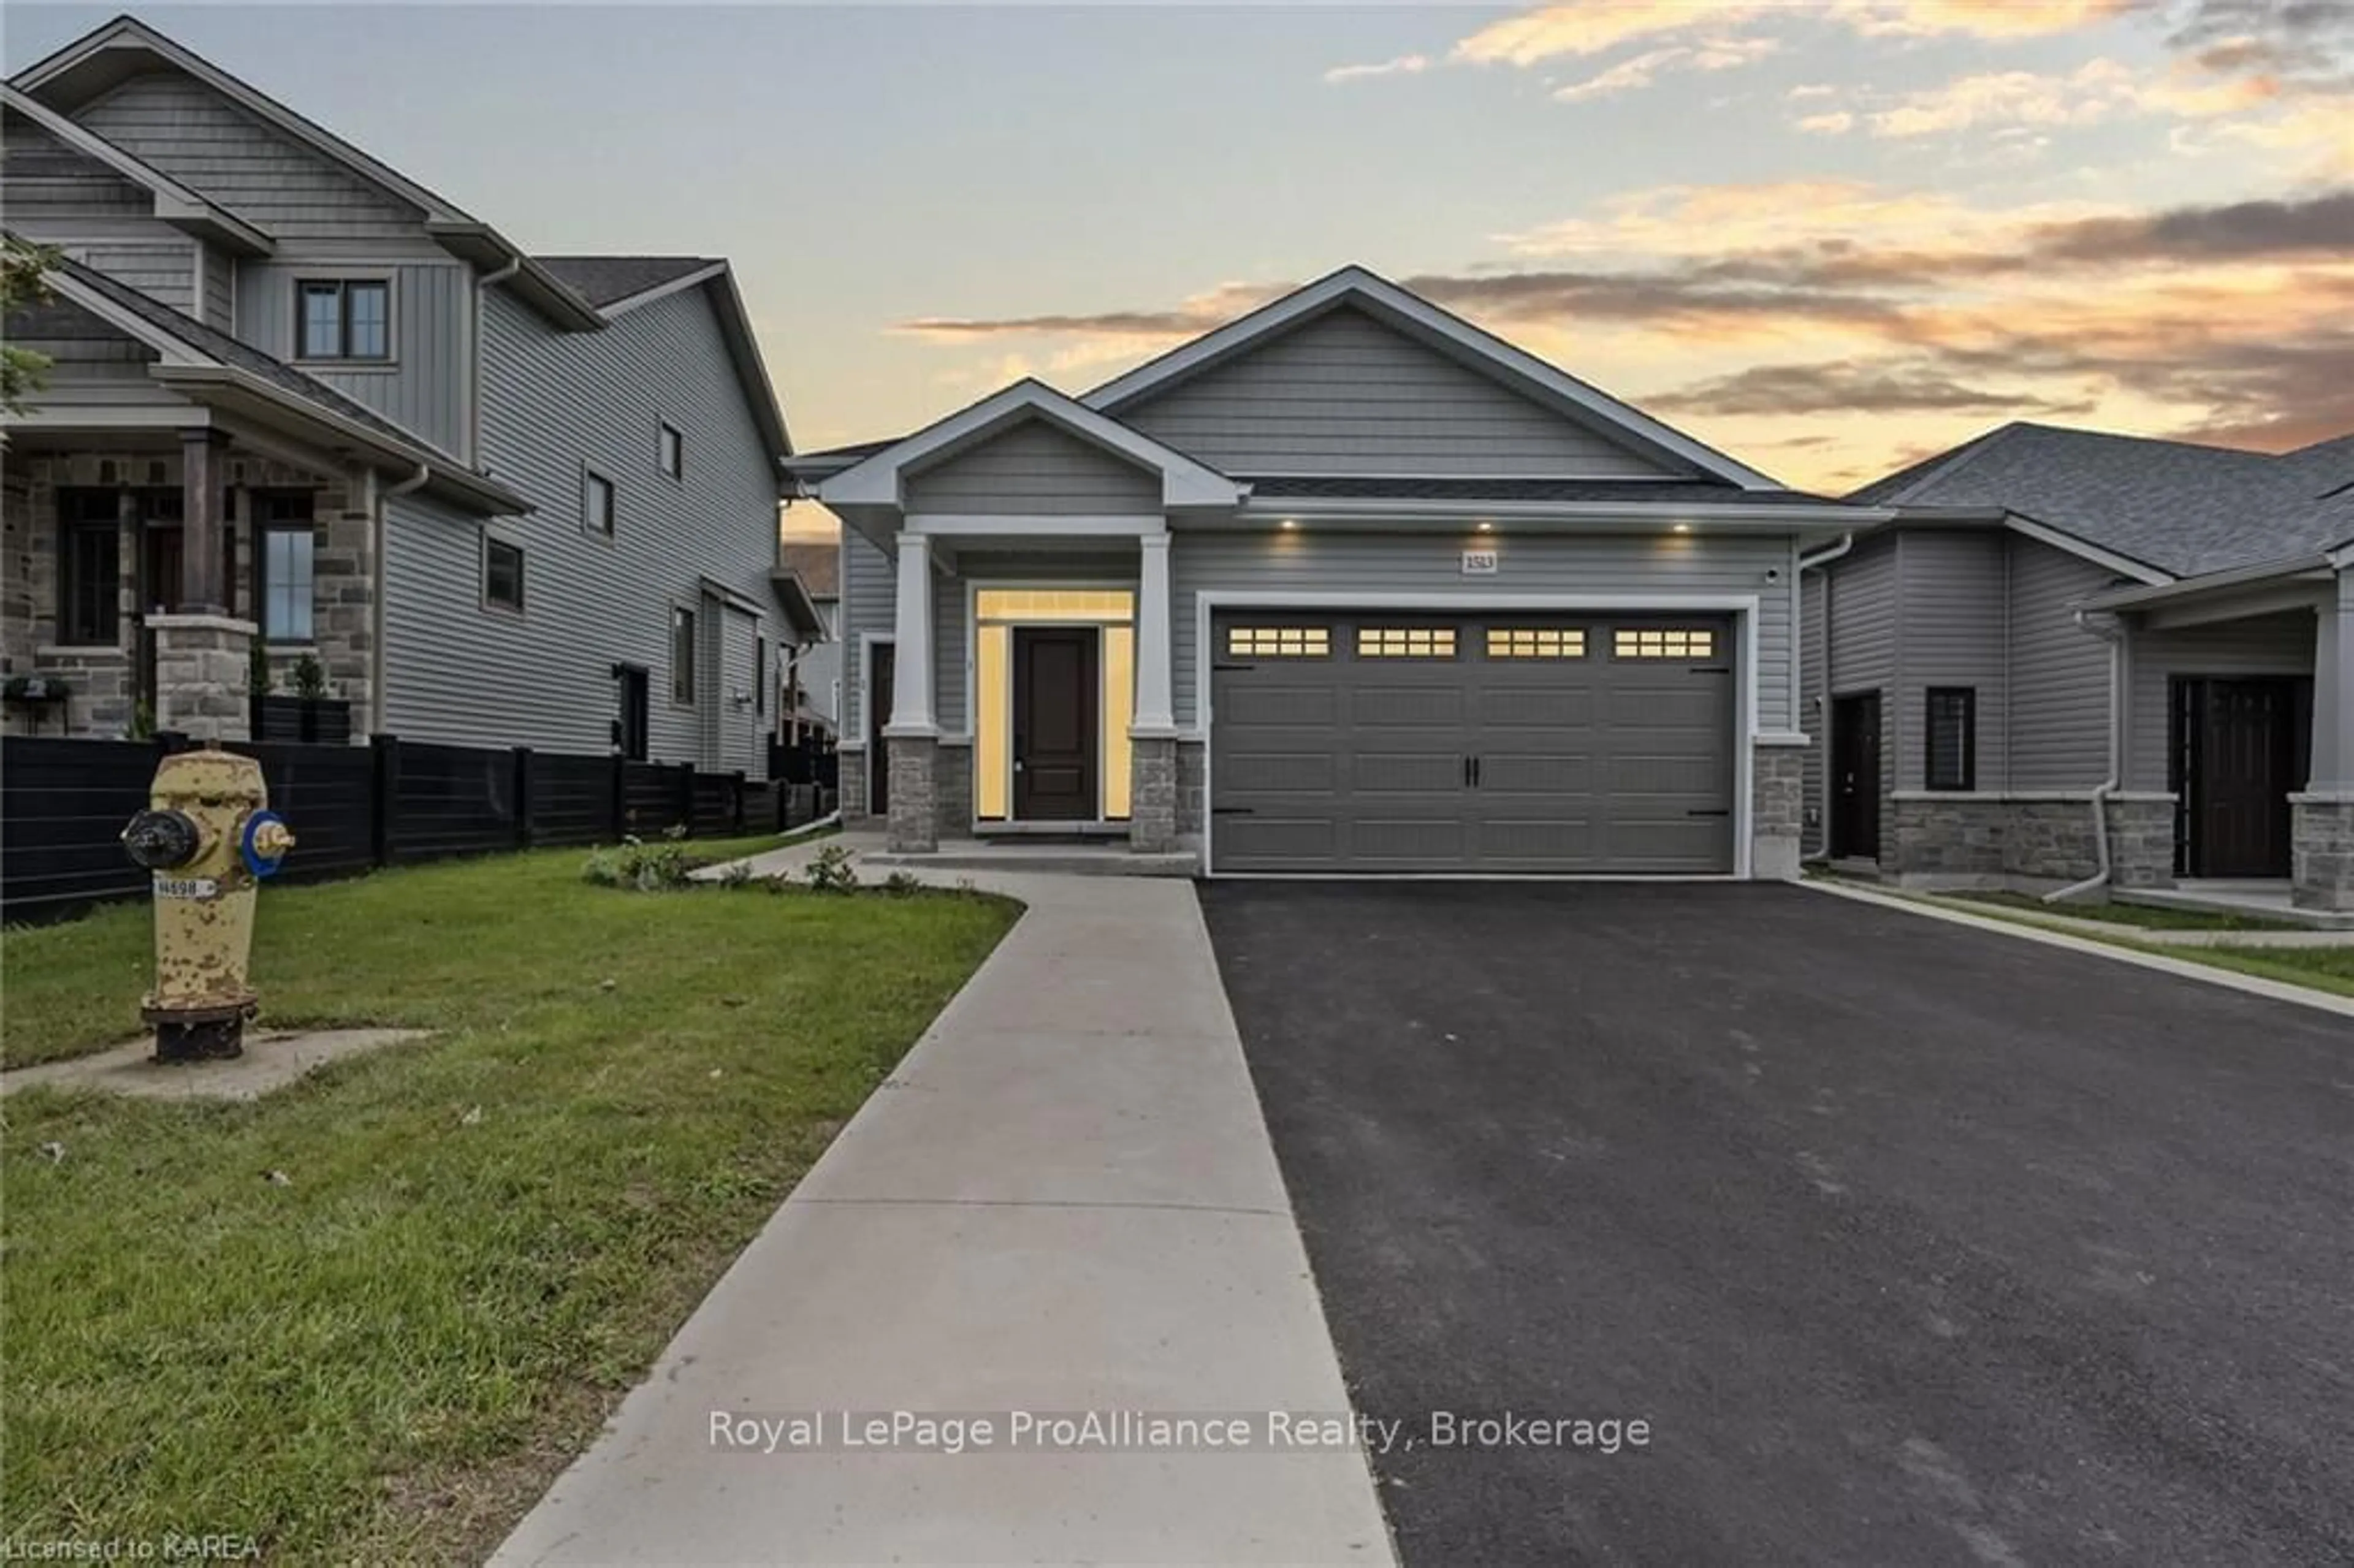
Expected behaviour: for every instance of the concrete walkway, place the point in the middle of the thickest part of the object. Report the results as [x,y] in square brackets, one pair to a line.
[1064,1201]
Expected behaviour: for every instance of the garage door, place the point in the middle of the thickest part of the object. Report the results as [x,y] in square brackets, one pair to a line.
[1345,742]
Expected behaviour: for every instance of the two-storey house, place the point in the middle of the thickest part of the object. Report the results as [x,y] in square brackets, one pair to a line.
[298,398]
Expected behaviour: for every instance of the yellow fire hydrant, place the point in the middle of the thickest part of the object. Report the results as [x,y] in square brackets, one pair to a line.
[209,836]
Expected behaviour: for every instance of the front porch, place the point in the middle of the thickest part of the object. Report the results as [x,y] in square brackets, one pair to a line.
[148,567]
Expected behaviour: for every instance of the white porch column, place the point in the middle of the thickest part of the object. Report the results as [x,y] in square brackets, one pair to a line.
[2333,692]
[1155,714]
[911,668]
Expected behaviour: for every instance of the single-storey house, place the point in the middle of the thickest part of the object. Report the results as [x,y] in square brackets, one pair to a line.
[2075,657]
[1346,584]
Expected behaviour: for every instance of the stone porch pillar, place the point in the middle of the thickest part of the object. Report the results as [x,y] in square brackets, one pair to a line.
[2321,830]
[1152,729]
[914,731]
[200,676]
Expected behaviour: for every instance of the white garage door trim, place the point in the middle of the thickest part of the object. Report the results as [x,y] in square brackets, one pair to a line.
[1742,607]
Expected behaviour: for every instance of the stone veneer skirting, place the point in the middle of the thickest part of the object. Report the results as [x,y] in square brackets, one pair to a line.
[2321,836]
[1962,840]
[1152,795]
[1777,810]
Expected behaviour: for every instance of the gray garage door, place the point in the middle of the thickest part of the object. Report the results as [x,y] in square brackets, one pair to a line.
[1345,742]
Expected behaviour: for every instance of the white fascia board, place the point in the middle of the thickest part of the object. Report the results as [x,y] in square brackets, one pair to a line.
[2124,566]
[1662,513]
[1363,287]
[2171,591]
[628,302]
[987,525]
[175,202]
[877,481]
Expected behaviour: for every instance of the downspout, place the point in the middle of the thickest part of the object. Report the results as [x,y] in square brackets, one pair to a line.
[1822,726]
[381,536]
[2114,636]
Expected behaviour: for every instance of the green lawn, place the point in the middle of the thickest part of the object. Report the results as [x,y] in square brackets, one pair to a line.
[389,1356]
[2149,917]
[2323,968]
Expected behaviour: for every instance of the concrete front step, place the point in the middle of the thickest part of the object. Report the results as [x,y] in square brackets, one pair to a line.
[1069,860]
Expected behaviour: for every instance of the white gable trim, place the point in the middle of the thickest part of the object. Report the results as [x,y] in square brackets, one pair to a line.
[878,480]
[1517,367]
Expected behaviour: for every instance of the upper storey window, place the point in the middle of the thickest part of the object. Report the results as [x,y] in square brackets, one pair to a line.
[344,317]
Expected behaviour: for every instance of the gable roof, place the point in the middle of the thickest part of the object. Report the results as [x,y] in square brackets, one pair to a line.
[175,202]
[1400,308]
[194,355]
[2179,507]
[113,53]
[877,479]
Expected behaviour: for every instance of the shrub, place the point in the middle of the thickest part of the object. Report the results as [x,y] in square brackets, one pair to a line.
[830,871]
[900,883]
[639,867]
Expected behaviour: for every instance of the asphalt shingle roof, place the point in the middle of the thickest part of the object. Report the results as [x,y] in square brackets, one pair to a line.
[2183,508]
[601,279]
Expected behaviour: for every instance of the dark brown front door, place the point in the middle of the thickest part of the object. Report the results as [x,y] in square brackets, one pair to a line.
[2238,775]
[878,714]
[1054,722]
[1855,777]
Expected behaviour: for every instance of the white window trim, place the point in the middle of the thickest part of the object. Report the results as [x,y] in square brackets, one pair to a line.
[590,473]
[1743,608]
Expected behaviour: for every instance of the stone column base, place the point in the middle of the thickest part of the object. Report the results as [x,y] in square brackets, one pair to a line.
[2321,839]
[850,785]
[201,676]
[1776,810]
[2141,840]
[914,825]
[1152,794]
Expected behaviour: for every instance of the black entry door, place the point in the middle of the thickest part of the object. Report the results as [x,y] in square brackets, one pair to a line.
[879,681]
[2239,795]
[1855,777]
[1054,722]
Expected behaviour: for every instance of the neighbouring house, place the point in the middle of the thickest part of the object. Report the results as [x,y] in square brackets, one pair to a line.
[812,683]
[1347,585]
[493,498]
[2062,627]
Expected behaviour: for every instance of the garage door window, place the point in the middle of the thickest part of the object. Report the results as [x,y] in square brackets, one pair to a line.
[1535,643]
[1406,643]
[1663,642]
[1278,641]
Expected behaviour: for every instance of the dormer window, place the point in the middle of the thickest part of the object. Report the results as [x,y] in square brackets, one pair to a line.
[344,317]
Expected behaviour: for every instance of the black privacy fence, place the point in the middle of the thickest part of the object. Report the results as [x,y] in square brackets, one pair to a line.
[354,807]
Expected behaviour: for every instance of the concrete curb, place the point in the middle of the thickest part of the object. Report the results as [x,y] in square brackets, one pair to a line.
[2258,985]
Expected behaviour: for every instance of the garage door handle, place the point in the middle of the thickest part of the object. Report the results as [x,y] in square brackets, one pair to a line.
[1470,773]
[1710,811]
[1234,810]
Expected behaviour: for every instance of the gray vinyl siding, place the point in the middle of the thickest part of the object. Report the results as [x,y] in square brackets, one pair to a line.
[1335,563]
[217,289]
[1034,468]
[177,124]
[55,192]
[2059,672]
[165,270]
[1344,393]
[870,587]
[2279,644]
[461,673]
[1952,593]
[422,390]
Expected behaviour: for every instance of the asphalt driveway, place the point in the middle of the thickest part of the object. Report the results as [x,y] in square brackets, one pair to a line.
[1911,1243]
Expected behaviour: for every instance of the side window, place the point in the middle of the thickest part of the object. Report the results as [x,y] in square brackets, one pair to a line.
[343,318]
[761,676]
[682,656]
[501,574]
[671,450]
[1952,762]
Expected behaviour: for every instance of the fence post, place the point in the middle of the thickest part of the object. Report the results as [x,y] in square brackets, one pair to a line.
[384,798]
[687,796]
[739,800]
[523,797]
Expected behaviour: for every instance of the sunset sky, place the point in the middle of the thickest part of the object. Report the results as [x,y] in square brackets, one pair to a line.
[1827,238]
